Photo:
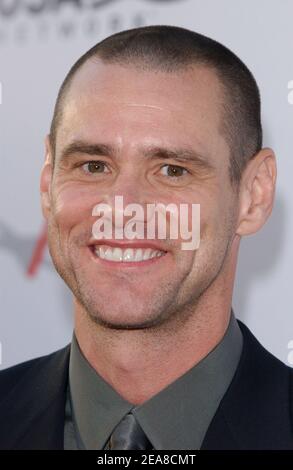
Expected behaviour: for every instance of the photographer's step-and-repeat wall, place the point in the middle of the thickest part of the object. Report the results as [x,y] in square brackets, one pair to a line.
[39,41]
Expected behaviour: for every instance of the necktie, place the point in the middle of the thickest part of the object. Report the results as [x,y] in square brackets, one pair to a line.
[128,435]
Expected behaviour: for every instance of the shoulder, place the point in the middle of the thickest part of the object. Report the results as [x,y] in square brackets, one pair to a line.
[256,411]
[258,356]
[41,366]
[262,370]
[261,394]
[34,392]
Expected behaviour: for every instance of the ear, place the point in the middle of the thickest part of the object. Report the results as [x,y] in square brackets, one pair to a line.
[46,179]
[257,191]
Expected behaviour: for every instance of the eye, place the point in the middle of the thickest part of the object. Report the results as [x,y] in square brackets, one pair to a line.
[173,170]
[95,166]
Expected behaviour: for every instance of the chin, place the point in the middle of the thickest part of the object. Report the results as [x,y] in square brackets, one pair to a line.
[120,318]
[126,324]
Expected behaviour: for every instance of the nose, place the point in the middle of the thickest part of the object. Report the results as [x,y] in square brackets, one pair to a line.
[127,199]
[132,185]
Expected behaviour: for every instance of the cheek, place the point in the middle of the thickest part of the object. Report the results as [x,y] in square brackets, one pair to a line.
[208,219]
[217,218]
[73,205]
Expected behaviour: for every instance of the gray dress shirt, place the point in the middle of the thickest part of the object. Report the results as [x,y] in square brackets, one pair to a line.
[176,418]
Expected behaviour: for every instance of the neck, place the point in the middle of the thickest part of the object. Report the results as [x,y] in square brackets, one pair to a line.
[140,363]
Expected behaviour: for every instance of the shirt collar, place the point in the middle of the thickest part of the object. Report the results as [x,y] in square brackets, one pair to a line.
[175,418]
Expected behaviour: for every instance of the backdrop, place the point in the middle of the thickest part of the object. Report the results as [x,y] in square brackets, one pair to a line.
[39,41]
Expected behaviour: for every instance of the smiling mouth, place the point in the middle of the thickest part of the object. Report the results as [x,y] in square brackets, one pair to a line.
[126,255]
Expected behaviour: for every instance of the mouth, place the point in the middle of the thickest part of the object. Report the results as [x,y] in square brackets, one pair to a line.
[127,255]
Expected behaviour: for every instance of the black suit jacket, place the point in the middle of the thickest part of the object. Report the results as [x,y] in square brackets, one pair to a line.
[255,413]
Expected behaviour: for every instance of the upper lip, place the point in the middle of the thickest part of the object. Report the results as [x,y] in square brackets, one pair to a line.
[154,245]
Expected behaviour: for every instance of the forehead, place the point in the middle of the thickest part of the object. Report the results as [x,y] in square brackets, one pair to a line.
[126,102]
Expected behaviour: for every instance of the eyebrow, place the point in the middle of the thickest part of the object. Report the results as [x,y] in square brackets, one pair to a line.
[183,155]
[79,146]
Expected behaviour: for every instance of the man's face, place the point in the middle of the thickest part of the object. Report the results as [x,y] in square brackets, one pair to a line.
[134,118]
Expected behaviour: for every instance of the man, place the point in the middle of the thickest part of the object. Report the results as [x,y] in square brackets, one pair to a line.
[157,359]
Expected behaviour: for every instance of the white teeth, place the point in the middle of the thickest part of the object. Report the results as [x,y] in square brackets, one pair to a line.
[127,254]
[139,254]
[147,253]
[115,255]
[102,250]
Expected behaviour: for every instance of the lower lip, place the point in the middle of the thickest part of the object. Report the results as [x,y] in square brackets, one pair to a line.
[127,264]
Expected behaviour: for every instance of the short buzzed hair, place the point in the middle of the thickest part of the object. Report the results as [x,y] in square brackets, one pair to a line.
[170,49]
